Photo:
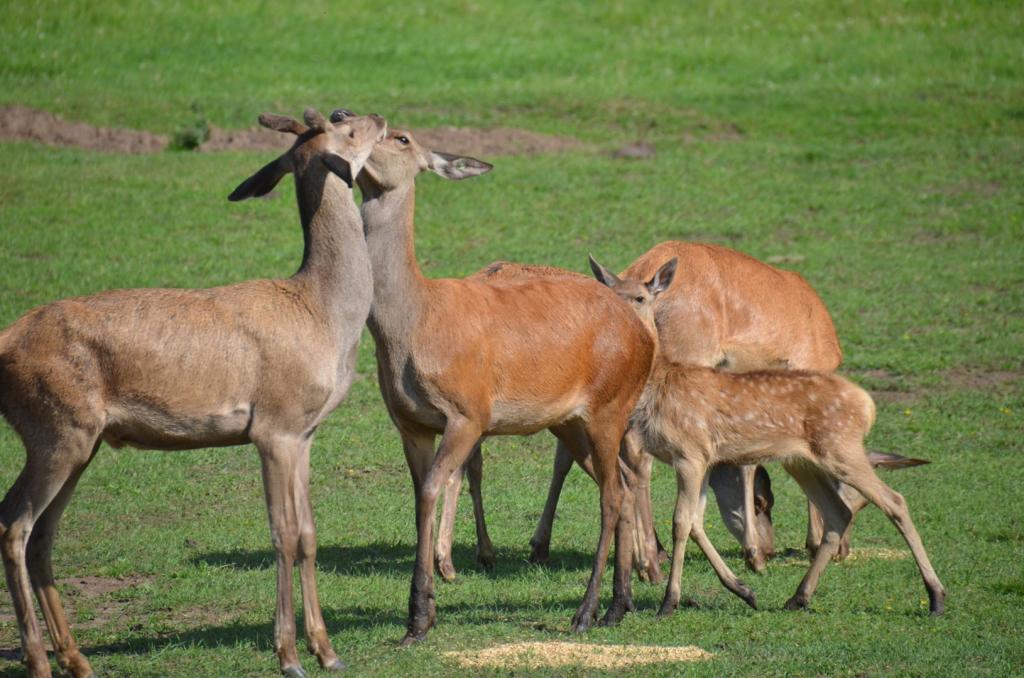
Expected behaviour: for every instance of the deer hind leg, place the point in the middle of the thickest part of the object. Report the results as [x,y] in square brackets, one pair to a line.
[689,480]
[820,490]
[317,640]
[862,477]
[446,528]
[647,554]
[600,447]
[279,455]
[475,472]
[49,467]
[540,543]
[725,575]
[458,442]
[39,559]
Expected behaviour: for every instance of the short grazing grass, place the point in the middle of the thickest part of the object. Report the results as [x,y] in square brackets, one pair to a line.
[875,148]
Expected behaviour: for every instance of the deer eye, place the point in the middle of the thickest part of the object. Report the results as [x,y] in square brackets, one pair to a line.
[638,300]
[404,140]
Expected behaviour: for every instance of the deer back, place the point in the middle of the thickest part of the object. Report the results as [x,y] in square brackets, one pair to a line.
[729,309]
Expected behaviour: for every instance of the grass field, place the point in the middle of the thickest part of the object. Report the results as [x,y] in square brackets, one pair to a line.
[877,148]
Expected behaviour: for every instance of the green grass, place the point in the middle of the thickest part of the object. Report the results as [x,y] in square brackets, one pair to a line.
[882,146]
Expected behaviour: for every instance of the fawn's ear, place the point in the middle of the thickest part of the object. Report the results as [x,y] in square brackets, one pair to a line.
[262,182]
[339,166]
[663,278]
[603,275]
[456,167]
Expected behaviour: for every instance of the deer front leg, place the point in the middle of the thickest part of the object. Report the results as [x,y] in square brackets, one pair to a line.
[317,640]
[460,436]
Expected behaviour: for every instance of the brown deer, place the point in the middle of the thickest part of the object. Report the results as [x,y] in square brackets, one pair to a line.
[263,361]
[738,314]
[465,358]
[694,417]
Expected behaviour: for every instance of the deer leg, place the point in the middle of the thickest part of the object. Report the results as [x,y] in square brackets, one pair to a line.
[317,640]
[835,518]
[460,437]
[689,479]
[40,567]
[541,540]
[725,575]
[859,474]
[602,455]
[625,533]
[815,529]
[48,468]
[475,472]
[753,555]
[279,455]
[647,553]
[446,529]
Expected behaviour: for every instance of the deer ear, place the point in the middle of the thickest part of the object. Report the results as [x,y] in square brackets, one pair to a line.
[339,166]
[282,123]
[262,182]
[663,278]
[457,167]
[314,120]
[603,275]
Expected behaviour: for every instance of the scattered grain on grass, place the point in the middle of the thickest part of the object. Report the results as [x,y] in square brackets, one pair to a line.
[538,655]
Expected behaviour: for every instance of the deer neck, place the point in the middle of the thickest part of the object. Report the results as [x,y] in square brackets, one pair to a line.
[398,285]
[335,265]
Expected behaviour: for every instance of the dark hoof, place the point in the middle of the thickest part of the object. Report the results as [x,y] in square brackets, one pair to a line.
[795,603]
[295,671]
[486,561]
[616,612]
[336,665]
[936,603]
[582,622]
[539,555]
[412,638]
[746,594]
[668,607]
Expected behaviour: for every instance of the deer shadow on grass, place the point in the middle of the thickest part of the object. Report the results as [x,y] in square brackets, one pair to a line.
[397,559]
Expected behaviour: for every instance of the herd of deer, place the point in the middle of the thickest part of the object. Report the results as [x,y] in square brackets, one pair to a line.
[698,355]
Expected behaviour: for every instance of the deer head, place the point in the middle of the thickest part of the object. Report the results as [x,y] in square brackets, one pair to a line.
[342,147]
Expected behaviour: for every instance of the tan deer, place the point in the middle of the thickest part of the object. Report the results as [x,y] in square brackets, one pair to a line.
[727,310]
[694,417]
[263,361]
[465,358]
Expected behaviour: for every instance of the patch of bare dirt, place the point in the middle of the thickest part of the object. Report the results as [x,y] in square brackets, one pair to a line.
[982,188]
[981,380]
[98,593]
[638,150]
[497,141]
[252,139]
[21,123]
[537,655]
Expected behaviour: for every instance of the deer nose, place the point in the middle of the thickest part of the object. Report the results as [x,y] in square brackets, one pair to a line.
[339,114]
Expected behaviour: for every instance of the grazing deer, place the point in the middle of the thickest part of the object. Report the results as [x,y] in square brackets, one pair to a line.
[694,417]
[465,358]
[738,314]
[263,361]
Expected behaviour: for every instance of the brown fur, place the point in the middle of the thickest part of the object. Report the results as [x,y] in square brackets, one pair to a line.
[472,357]
[261,361]
[815,423]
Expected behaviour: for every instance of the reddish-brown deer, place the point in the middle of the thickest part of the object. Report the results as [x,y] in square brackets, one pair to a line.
[465,358]
[694,417]
[262,361]
[737,313]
